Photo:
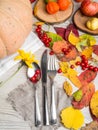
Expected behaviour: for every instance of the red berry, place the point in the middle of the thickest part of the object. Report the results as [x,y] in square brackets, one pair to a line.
[72,66]
[90,67]
[82,64]
[45,35]
[35,75]
[39,26]
[59,70]
[78,63]
[47,44]
[83,57]
[86,66]
[38,30]
[51,53]
[66,52]
[63,50]
[50,39]
[37,71]
[85,61]
[83,68]
[33,79]
[95,69]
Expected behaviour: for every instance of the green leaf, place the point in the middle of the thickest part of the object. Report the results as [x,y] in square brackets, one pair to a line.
[55,37]
[86,40]
[80,45]
[78,95]
[90,39]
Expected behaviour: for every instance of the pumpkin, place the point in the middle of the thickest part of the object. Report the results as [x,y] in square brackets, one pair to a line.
[15,25]
[52,7]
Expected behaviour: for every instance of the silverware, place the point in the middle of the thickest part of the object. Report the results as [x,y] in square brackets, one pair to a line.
[52,73]
[44,85]
[31,72]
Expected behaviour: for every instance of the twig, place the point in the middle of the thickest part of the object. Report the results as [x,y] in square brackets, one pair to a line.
[2,83]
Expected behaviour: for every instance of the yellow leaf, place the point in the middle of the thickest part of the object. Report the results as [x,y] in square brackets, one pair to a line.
[73,39]
[39,23]
[74,79]
[73,62]
[64,67]
[72,118]
[68,88]
[87,52]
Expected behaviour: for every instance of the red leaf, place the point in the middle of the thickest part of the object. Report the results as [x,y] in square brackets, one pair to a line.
[70,28]
[88,91]
[60,31]
[87,76]
[95,49]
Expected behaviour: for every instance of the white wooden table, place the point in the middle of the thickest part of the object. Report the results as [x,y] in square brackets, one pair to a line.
[9,118]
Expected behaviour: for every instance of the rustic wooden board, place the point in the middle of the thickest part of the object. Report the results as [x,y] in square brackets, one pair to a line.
[58,17]
[80,21]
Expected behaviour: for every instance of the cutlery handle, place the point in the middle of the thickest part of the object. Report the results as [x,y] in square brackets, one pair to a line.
[53,114]
[37,110]
[45,105]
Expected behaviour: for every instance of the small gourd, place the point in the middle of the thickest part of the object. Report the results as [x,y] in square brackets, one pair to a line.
[92,24]
[52,7]
[63,4]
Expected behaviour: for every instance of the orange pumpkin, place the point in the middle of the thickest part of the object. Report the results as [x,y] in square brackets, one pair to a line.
[15,25]
[63,4]
[52,7]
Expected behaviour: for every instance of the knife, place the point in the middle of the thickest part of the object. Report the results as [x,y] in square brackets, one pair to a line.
[44,85]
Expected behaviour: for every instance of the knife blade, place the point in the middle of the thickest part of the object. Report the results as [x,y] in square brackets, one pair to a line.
[44,85]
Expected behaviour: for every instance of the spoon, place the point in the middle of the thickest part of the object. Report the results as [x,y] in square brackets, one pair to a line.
[34,74]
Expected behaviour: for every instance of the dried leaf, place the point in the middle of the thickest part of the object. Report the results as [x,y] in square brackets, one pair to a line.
[70,28]
[68,88]
[73,39]
[60,31]
[72,118]
[87,52]
[95,49]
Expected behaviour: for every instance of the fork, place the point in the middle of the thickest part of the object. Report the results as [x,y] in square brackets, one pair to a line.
[51,74]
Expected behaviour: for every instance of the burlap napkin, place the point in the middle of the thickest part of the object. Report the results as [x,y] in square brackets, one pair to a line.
[22,100]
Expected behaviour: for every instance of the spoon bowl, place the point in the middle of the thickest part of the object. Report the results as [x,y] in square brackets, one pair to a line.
[34,74]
